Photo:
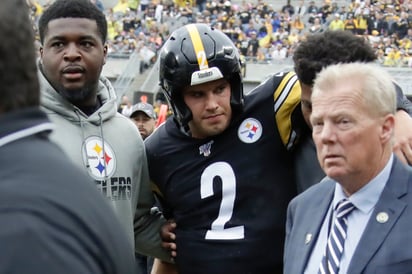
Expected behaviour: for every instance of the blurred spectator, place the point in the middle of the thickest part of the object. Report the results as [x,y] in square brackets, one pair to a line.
[125,106]
[187,11]
[317,26]
[298,24]
[253,45]
[351,25]
[144,117]
[35,9]
[121,7]
[325,10]
[201,5]
[393,58]
[288,8]
[279,52]
[98,4]
[133,5]
[144,4]
[142,29]
[300,9]
[293,38]
[251,29]
[312,8]
[400,26]
[242,43]
[336,23]
[361,24]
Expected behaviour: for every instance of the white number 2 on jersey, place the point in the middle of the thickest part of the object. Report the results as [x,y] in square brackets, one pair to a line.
[227,175]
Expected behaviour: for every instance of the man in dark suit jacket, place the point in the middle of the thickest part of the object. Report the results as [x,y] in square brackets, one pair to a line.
[353,123]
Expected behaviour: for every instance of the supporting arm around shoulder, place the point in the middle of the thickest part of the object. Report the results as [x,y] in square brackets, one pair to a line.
[148,221]
[403,127]
[160,267]
[403,137]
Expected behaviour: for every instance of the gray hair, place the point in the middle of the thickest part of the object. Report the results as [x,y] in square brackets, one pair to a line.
[376,85]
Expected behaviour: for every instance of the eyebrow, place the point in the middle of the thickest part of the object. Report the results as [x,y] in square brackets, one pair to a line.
[82,37]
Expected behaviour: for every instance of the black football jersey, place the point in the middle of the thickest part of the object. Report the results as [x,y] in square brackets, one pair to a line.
[229,193]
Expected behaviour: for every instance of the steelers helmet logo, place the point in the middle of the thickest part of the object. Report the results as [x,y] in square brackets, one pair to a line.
[99,158]
[250,130]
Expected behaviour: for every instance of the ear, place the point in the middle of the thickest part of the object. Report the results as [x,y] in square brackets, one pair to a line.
[41,51]
[104,53]
[388,128]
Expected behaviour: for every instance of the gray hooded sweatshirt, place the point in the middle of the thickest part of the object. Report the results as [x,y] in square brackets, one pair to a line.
[109,147]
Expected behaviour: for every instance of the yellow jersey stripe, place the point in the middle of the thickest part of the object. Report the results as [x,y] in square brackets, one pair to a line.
[198,46]
[286,99]
[155,189]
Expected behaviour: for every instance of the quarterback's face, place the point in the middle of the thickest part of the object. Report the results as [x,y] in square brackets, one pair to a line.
[210,107]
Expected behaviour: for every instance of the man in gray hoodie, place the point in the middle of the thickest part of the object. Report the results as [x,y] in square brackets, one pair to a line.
[82,105]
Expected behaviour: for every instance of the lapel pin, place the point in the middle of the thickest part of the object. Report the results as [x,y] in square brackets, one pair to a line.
[308,238]
[382,217]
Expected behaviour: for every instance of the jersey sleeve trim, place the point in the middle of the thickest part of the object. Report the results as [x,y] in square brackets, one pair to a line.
[286,99]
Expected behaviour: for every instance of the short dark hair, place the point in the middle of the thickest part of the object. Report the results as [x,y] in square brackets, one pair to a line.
[331,47]
[18,71]
[73,9]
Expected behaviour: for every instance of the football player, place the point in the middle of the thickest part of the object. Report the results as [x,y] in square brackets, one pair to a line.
[221,163]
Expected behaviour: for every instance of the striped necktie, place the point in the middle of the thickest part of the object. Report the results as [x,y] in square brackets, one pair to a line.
[336,241]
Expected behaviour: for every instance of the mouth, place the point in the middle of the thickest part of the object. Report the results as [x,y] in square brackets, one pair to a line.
[331,157]
[73,72]
[213,116]
[213,119]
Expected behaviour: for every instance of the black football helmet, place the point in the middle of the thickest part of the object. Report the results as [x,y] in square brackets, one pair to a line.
[196,54]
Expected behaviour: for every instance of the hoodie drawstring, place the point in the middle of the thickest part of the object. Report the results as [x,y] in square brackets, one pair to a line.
[103,146]
[83,137]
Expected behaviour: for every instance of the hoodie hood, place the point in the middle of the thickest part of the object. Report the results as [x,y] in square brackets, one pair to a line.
[53,101]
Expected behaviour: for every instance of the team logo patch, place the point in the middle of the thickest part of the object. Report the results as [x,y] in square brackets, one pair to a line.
[206,149]
[99,158]
[250,130]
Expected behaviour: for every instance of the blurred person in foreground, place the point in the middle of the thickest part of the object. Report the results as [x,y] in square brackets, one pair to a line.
[353,120]
[82,105]
[53,218]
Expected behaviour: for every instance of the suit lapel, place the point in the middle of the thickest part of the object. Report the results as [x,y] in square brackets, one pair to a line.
[378,228]
[313,220]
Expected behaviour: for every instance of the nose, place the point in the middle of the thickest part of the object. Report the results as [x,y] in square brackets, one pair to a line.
[72,53]
[327,134]
[211,102]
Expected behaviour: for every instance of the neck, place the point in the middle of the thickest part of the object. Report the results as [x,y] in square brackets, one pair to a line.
[89,109]
[352,184]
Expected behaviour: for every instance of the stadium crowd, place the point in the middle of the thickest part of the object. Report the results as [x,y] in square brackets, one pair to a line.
[261,32]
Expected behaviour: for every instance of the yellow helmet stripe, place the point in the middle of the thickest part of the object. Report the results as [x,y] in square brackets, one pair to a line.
[198,46]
